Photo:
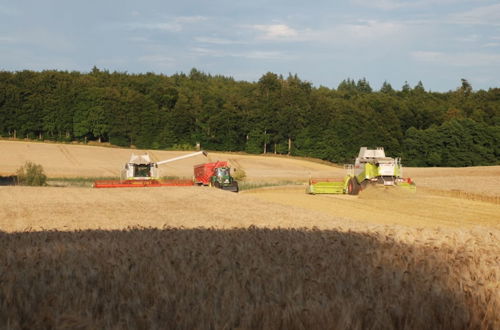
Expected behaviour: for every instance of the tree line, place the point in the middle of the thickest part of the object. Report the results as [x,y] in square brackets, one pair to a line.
[276,114]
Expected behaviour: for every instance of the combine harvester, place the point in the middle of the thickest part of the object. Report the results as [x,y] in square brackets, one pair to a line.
[140,171]
[217,175]
[371,167]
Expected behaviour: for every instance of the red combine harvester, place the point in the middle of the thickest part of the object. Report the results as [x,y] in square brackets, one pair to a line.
[140,171]
[216,174]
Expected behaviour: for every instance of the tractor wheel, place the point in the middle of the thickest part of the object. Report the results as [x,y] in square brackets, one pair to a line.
[353,187]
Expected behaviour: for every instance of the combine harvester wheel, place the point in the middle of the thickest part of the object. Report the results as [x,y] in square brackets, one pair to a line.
[353,187]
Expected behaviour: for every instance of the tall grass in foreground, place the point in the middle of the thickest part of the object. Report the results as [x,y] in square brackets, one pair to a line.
[246,279]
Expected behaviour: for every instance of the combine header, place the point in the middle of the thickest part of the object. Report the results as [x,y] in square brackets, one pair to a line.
[326,186]
[217,175]
[140,171]
[371,167]
[140,183]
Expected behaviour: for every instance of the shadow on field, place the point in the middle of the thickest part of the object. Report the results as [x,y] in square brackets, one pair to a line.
[8,180]
[241,278]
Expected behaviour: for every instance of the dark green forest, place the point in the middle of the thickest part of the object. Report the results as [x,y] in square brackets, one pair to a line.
[277,114]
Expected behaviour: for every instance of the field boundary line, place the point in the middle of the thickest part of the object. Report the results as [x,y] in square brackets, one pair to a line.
[463,195]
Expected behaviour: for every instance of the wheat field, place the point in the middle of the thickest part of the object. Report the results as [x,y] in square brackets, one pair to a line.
[202,258]
[197,258]
[253,278]
[74,160]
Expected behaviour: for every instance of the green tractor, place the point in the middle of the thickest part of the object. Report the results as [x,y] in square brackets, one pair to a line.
[371,167]
[216,174]
[222,179]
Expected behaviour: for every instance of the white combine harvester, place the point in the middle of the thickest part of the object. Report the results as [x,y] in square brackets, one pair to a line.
[141,171]
[371,167]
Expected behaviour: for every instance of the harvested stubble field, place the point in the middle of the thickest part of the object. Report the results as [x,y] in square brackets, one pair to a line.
[73,160]
[191,257]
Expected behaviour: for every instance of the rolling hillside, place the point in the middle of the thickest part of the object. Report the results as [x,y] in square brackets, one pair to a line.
[71,160]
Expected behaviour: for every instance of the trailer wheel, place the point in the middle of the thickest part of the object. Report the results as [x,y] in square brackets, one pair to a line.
[353,187]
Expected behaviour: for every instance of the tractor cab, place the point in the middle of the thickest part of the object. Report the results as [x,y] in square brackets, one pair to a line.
[223,175]
[222,172]
[222,179]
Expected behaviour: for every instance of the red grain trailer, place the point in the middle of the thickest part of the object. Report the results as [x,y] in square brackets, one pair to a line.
[203,173]
[216,174]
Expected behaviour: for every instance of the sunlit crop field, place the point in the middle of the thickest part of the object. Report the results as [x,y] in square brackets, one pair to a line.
[205,258]
[73,160]
[202,258]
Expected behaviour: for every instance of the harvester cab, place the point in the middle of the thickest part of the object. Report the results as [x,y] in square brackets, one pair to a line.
[374,166]
[139,167]
[371,167]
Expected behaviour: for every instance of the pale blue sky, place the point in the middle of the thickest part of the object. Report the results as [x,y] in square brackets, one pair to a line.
[435,41]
